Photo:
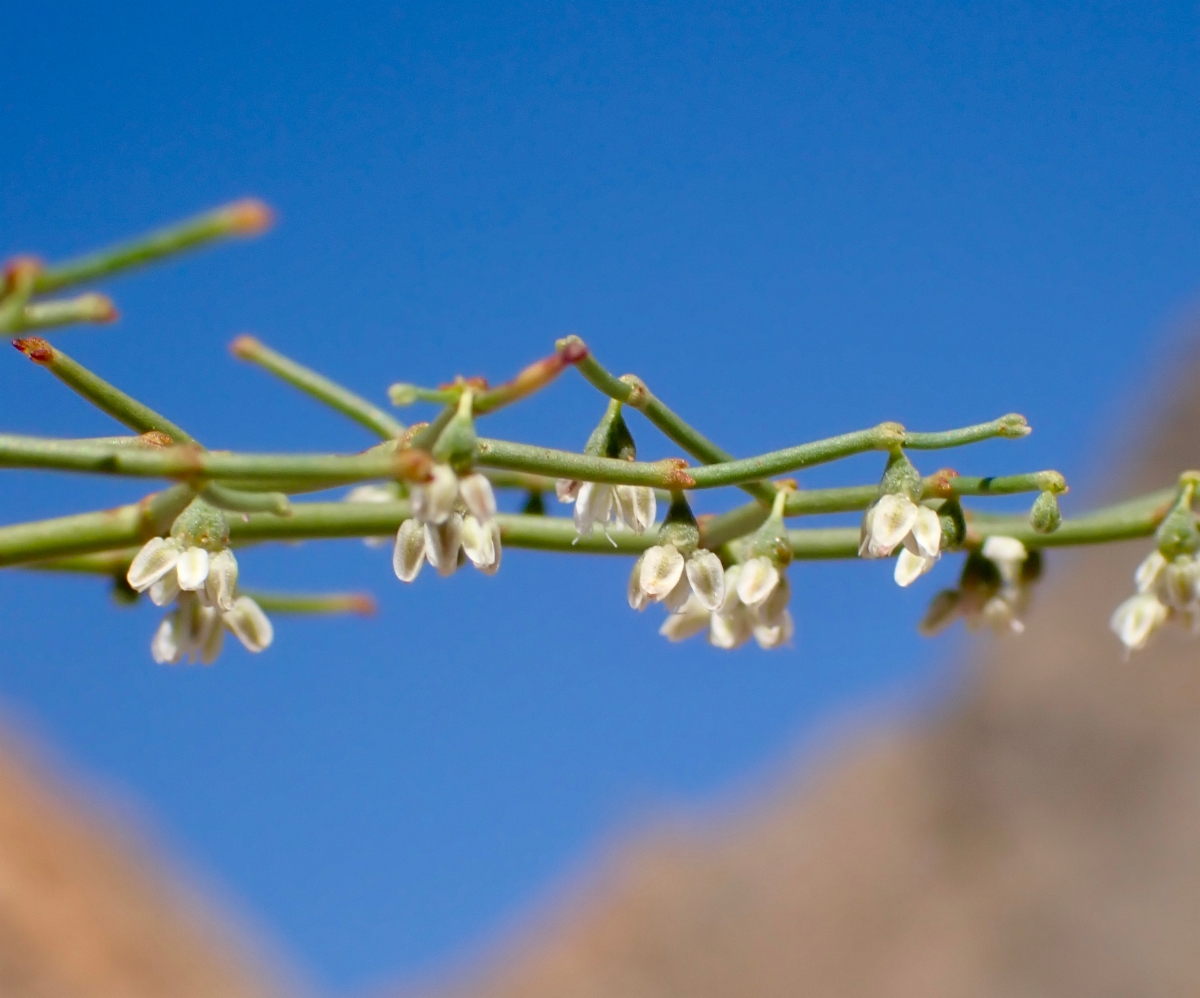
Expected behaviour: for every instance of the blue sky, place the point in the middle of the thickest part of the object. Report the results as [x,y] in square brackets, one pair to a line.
[791,221]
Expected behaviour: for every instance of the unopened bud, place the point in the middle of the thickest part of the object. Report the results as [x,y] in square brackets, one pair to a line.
[943,608]
[954,524]
[1045,516]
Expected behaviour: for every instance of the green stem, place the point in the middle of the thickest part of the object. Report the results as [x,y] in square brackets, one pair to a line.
[323,603]
[108,398]
[634,393]
[192,463]
[1013,427]
[318,386]
[99,531]
[243,218]
[51,314]
[113,530]
[238,501]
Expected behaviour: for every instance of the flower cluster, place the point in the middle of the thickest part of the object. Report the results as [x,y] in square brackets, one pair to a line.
[747,599]
[597,503]
[195,570]
[993,590]
[453,519]
[1168,580]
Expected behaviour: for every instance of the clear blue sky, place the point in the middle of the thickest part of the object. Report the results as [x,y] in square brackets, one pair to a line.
[791,220]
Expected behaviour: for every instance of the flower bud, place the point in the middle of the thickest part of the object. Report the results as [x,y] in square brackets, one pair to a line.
[679,529]
[1045,516]
[953,523]
[943,608]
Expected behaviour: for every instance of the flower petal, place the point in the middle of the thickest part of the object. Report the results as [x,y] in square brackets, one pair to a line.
[892,519]
[1006,553]
[433,501]
[730,631]
[1135,620]
[192,569]
[164,591]
[156,558]
[910,567]
[637,506]
[775,635]
[477,494]
[770,610]
[633,592]
[409,553]
[567,489]
[707,577]
[662,568]
[691,620]
[927,532]
[221,584]
[479,543]
[758,579]
[249,624]
[674,600]
[442,543]
[164,646]
[593,505]
[1149,570]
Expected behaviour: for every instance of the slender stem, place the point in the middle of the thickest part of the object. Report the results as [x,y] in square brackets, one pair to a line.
[1012,426]
[318,386]
[243,218]
[108,398]
[99,531]
[192,463]
[633,392]
[50,314]
[111,530]
[738,522]
[238,501]
[323,603]
[427,436]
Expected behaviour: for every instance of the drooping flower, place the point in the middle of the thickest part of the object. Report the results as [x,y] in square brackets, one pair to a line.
[993,590]
[597,503]
[1167,590]
[734,622]
[451,514]
[665,575]
[894,520]
[194,559]
[1168,580]
[194,630]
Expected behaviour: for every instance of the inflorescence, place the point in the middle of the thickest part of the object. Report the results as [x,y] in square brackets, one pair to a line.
[432,486]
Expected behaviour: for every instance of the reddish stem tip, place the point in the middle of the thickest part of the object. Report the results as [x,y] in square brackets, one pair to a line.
[249,217]
[36,349]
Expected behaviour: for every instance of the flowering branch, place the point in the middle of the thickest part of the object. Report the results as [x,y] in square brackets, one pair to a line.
[431,486]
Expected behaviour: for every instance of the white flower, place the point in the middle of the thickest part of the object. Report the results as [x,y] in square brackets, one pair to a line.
[1136,620]
[434,501]
[993,591]
[595,503]
[166,566]
[1167,590]
[665,576]
[195,630]
[734,622]
[440,544]
[894,520]
[450,514]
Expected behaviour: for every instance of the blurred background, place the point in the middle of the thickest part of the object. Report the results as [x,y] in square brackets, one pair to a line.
[791,221]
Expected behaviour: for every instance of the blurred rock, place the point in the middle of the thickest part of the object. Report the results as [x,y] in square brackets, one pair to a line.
[1040,838]
[87,911]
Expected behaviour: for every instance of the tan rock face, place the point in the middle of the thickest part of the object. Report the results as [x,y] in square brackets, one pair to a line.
[85,913]
[1041,838]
